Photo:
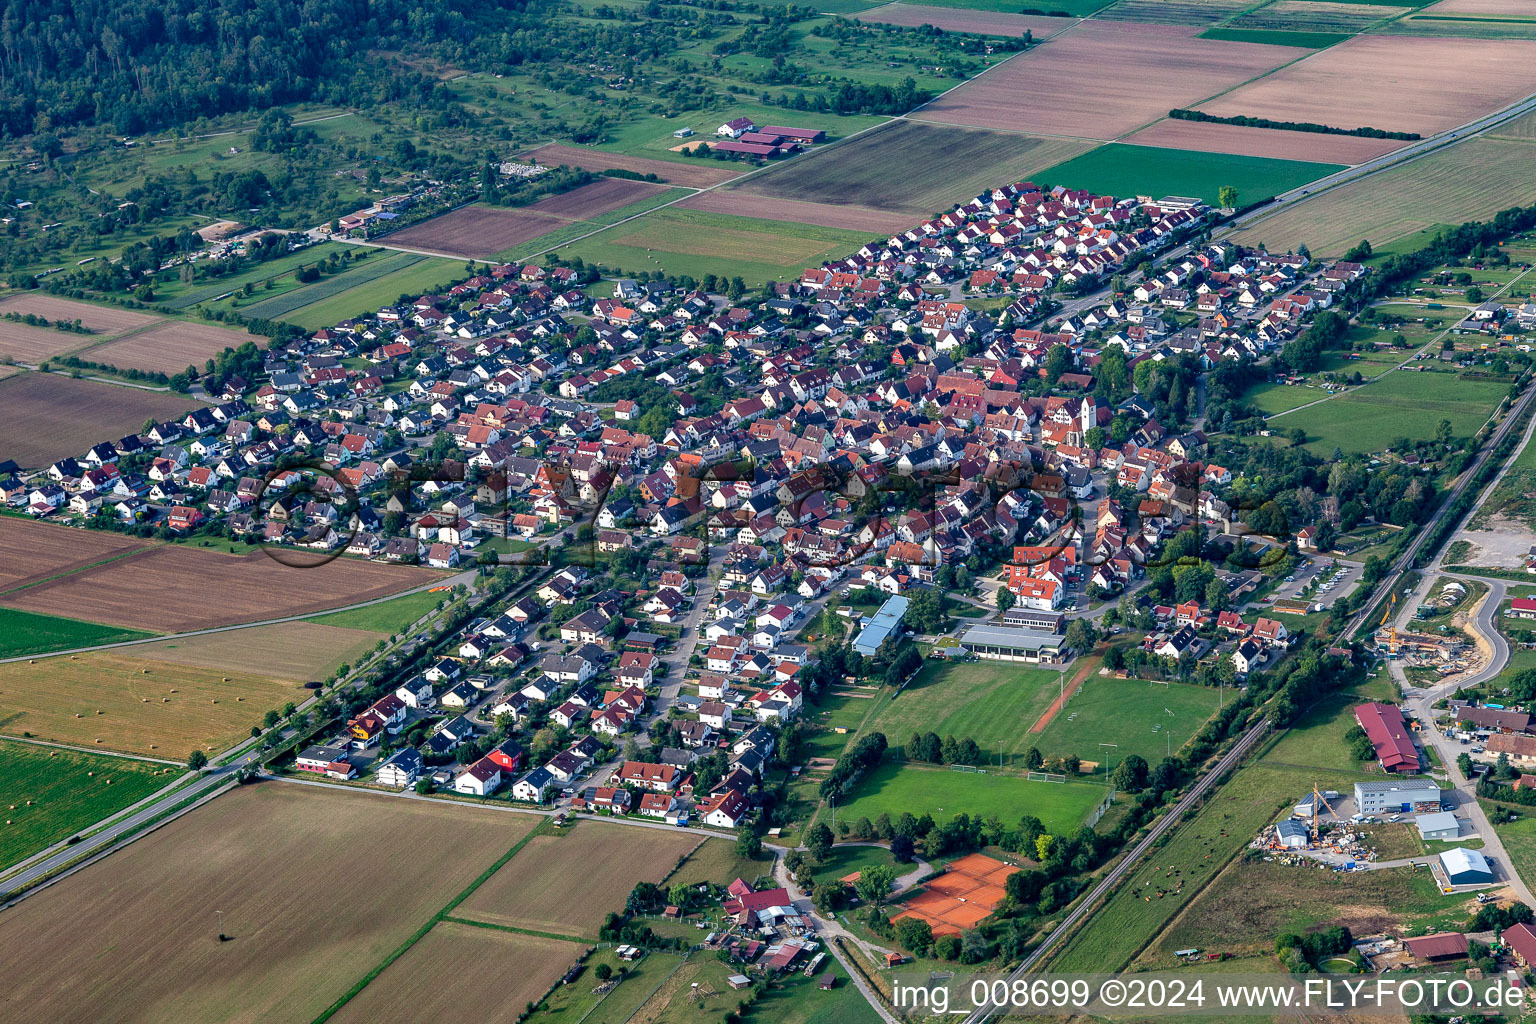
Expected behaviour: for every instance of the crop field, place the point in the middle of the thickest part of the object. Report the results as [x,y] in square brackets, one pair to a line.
[1076,8]
[103,321]
[851,218]
[1404,403]
[696,243]
[716,860]
[377,264]
[281,862]
[695,174]
[511,971]
[1173,12]
[481,231]
[1243,910]
[1207,137]
[1485,19]
[47,416]
[49,794]
[386,617]
[1315,16]
[956,164]
[1471,180]
[1141,72]
[125,701]
[1276,37]
[166,588]
[1128,712]
[279,271]
[26,633]
[985,700]
[1519,839]
[1169,876]
[28,344]
[892,788]
[539,891]
[1396,83]
[169,347]
[430,275]
[958,19]
[290,650]
[1119,169]
[31,551]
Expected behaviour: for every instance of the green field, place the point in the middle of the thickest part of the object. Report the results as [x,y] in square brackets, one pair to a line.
[30,633]
[845,860]
[170,291]
[1124,170]
[798,1000]
[987,701]
[1519,836]
[697,243]
[1317,739]
[1401,404]
[957,164]
[892,788]
[1129,712]
[565,233]
[1198,849]
[1276,37]
[390,616]
[65,797]
[376,265]
[414,279]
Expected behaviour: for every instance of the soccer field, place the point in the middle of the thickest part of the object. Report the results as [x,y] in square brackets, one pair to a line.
[1132,713]
[922,789]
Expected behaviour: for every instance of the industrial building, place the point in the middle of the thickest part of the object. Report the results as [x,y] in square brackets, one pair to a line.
[1438,825]
[1012,643]
[1465,867]
[881,625]
[1291,834]
[1396,797]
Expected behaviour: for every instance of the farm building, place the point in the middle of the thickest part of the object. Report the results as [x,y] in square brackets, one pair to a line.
[1462,866]
[1523,608]
[1005,643]
[1521,940]
[1493,719]
[885,622]
[1439,825]
[1384,724]
[1519,749]
[1396,797]
[1438,947]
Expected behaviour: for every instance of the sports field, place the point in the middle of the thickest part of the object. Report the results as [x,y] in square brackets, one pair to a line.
[306,919]
[48,794]
[949,166]
[697,243]
[1403,403]
[542,889]
[987,701]
[922,789]
[27,633]
[1129,712]
[1122,170]
[1470,180]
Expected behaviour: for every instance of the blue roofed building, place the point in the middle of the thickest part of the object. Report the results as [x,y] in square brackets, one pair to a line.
[885,622]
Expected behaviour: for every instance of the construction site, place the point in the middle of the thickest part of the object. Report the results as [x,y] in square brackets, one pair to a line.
[1325,831]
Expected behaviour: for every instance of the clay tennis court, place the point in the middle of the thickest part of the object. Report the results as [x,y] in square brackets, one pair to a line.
[702,174]
[962,897]
[1396,83]
[854,218]
[169,348]
[1100,80]
[1206,137]
[958,19]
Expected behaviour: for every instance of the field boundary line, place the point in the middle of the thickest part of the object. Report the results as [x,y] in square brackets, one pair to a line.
[432,922]
[132,332]
[73,570]
[5,738]
[583,940]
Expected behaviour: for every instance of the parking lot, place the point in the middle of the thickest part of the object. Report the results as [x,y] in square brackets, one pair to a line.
[1320,581]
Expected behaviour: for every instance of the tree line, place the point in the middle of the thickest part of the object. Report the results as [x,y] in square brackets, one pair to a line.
[1183,114]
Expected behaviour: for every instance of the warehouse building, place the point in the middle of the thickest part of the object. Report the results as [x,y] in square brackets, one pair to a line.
[1396,797]
[1439,825]
[1465,867]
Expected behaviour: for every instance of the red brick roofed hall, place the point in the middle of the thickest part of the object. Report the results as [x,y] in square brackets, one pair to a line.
[1388,733]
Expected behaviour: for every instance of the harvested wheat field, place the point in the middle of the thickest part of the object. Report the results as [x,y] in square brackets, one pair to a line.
[101,320]
[690,175]
[1140,72]
[169,348]
[47,416]
[125,701]
[317,887]
[509,971]
[170,589]
[1173,12]
[538,890]
[289,650]
[1206,137]
[854,218]
[958,19]
[1472,180]
[31,551]
[29,344]
[1396,83]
